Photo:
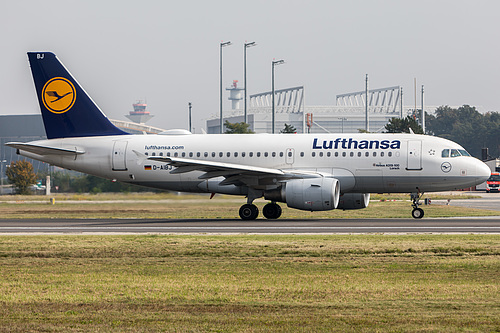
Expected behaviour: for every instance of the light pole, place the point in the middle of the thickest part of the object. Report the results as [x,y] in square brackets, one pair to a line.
[342,118]
[222,44]
[247,45]
[275,63]
[189,104]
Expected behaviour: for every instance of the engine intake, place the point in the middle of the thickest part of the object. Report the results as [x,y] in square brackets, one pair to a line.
[313,194]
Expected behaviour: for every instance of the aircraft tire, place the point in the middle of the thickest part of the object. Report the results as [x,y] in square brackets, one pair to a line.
[272,211]
[249,212]
[417,213]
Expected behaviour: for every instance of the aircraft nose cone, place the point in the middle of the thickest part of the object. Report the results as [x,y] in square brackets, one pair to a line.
[483,172]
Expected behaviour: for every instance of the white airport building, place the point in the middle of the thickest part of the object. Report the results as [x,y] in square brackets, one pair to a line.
[348,115]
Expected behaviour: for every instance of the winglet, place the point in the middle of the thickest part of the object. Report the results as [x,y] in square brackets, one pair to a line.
[67,110]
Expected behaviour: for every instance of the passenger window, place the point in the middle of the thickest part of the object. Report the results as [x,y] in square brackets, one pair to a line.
[329,154]
[359,154]
[389,154]
[221,154]
[213,154]
[313,154]
[374,154]
[161,154]
[168,154]
[198,154]
[336,154]
[320,154]
[243,154]
[205,154]
[343,153]
[176,154]
[235,154]
[153,154]
[351,154]
[281,154]
[228,154]
[266,154]
[445,153]
[367,154]
[381,154]
[146,154]
[191,154]
[301,154]
[455,153]
[250,154]
[183,154]
[273,154]
[258,154]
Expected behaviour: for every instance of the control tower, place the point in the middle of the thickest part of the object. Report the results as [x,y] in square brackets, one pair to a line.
[139,115]
[235,95]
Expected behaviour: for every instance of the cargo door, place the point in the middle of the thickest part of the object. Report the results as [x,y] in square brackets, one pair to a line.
[414,158]
[119,156]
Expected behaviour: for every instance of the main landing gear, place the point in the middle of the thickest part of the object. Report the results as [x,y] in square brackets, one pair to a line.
[417,212]
[271,211]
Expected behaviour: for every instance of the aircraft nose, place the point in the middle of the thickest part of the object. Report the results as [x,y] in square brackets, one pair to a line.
[483,172]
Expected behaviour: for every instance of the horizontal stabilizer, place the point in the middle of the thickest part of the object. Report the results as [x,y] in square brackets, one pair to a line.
[45,150]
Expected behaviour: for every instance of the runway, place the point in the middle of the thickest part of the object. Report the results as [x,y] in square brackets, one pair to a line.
[490,225]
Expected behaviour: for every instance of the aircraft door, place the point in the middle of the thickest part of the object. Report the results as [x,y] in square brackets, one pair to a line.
[119,156]
[414,157]
[290,152]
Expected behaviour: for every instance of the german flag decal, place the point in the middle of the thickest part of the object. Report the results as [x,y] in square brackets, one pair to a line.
[147,167]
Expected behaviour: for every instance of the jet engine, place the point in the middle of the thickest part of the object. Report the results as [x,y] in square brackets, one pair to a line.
[311,194]
[354,201]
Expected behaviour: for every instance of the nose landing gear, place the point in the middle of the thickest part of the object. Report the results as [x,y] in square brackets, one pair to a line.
[417,212]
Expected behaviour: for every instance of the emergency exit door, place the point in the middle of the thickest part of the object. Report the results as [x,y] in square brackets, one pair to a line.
[119,156]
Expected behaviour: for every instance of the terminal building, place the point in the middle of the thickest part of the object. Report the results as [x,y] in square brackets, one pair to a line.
[347,116]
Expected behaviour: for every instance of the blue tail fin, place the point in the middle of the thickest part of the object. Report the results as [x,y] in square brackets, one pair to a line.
[67,110]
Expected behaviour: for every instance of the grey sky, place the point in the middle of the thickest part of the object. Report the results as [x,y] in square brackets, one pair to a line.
[168,51]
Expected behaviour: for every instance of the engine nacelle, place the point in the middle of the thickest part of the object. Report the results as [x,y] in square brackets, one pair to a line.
[311,194]
[354,201]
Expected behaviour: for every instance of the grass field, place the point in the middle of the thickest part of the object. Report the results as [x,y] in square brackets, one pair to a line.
[199,207]
[243,283]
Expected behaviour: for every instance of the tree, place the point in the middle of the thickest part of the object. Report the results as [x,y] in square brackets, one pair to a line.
[21,174]
[237,128]
[288,129]
[468,127]
[403,125]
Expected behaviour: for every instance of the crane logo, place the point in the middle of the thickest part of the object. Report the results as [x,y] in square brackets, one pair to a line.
[58,95]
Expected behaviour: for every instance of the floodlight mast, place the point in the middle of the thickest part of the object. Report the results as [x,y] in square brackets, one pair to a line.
[275,63]
[247,45]
[222,45]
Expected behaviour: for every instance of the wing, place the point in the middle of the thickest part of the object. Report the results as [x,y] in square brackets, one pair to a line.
[235,174]
[52,93]
[45,150]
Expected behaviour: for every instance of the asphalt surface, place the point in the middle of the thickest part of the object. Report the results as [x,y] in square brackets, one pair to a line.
[287,226]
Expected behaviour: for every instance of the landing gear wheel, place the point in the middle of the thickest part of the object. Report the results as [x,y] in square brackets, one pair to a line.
[271,211]
[249,212]
[417,213]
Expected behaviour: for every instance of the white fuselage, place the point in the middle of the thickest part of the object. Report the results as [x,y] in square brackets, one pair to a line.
[362,163]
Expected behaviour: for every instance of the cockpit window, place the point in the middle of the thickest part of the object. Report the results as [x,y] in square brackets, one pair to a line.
[445,153]
[455,153]
[464,152]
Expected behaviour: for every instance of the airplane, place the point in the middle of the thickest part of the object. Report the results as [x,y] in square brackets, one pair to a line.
[312,172]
